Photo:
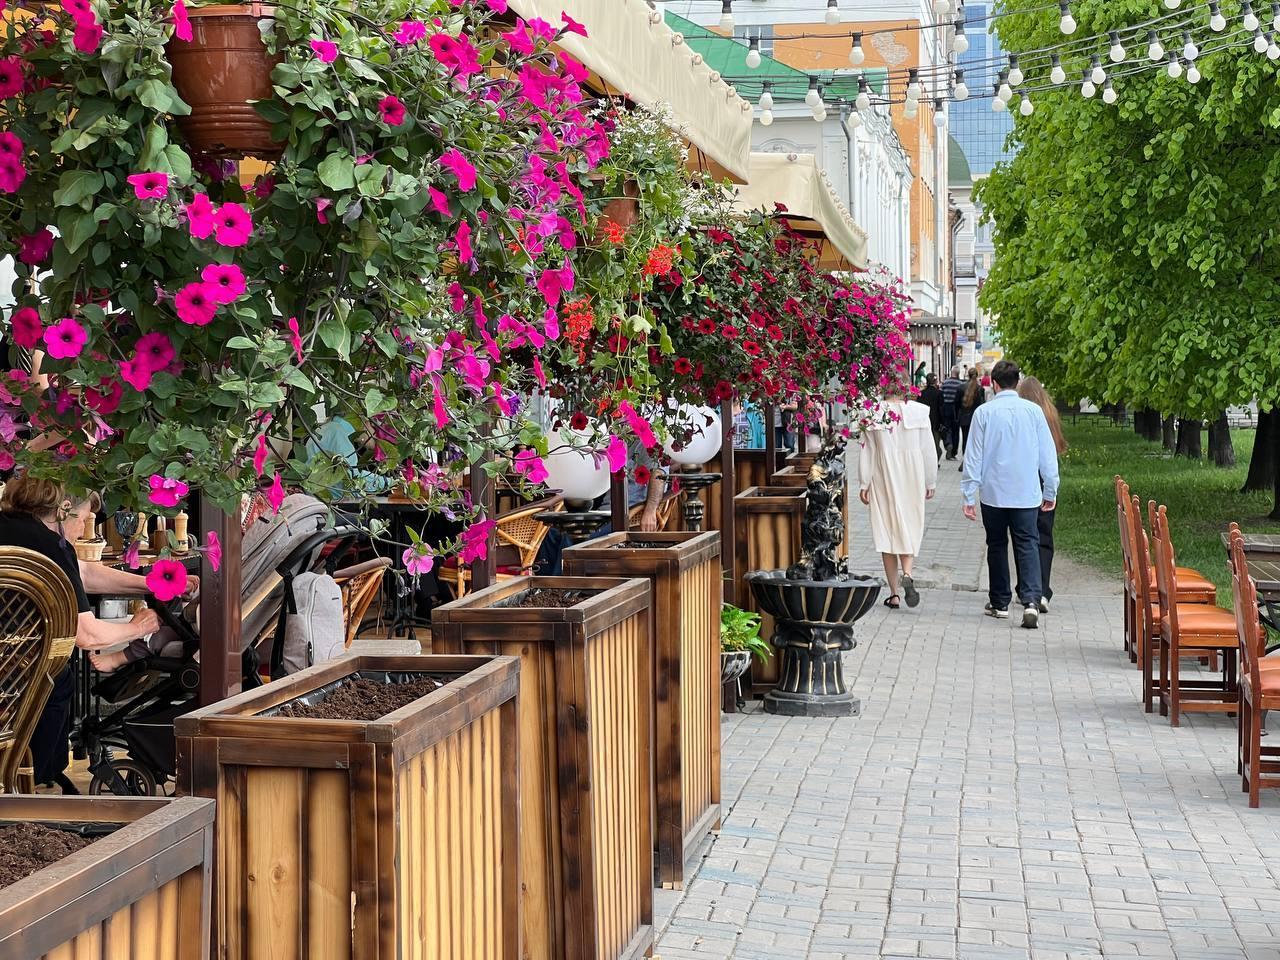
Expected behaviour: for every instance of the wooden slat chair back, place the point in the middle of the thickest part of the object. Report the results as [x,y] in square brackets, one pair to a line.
[1258,766]
[1131,610]
[360,586]
[37,637]
[664,512]
[519,530]
[1190,630]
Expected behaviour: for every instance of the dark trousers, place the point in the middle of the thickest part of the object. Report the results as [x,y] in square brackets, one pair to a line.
[964,438]
[49,740]
[951,435]
[1021,524]
[1044,522]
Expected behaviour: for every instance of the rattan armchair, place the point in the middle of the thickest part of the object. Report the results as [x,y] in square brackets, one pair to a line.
[38,616]
[518,530]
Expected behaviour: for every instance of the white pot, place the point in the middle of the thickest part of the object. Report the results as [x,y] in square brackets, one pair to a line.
[706,439]
[574,472]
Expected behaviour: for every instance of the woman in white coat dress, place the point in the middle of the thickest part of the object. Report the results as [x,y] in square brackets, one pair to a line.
[898,470]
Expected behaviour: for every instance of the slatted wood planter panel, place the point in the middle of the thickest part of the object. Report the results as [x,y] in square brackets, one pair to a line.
[749,470]
[140,893]
[684,569]
[768,538]
[789,476]
[801,461]
[347,840]
[586,851]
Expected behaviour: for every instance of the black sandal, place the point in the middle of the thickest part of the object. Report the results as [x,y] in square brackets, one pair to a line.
[892,602]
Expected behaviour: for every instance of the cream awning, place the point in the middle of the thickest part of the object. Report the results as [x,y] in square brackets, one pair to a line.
[646,62]
[795,181]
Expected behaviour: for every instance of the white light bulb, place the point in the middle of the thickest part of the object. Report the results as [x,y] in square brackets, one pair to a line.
[1087,89]
[911,111]
[1026,107]
[766,118]
[1273,51]
[1109,93]
[753,58]
[1005,93]
[1189,48]
[1172,4]
[1217,22]
[1057,74]
[939,119]
[1155,49]
[961,91]
[998,105]
[1260,42]
[1015,76]
[863,101]
[913,90]
[856,56]
[853,121]
[766,101]
[1250,19]
[820,114]
[833,14]
[812,98]
[727,23]
[1193,74]
[1116,53]
[1175,66]
[1098,75]
[1066,23]
[960,44]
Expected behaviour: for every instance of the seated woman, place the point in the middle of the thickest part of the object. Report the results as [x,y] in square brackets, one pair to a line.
[38,515]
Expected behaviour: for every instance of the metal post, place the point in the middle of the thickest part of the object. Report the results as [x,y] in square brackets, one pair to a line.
[619,518]
[728,489]
[484,572]
[770,443]
[220,665]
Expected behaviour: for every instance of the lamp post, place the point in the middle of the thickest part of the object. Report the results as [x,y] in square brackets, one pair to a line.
[702,446]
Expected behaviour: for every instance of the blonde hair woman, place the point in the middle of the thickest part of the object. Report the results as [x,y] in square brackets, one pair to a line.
[1029,388]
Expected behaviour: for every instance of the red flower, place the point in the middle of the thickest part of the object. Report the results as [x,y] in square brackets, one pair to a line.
[751,347]
[391,111]
[614,232]
[707,325]
[775,332]
[578,421]
[642,475]
[729,332]
[683,367]
[723,390]
[661,260]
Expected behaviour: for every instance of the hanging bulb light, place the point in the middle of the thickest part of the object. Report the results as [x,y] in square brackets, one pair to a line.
[822,103]
[1217,22]
[1275,14]
[1260,43]
[1096,73]
[820,115]
[856,56]
[960,43]
[833,13]
[1087,89]
[863,101]
[1172,4]
[1116,53]
[1003,90]
[1189,49]
[1193,73]
[1026,107]
[1250,19]
[939,115]
[753,54]
[998,105]
[1108,92]
[766,97]
[853,121]
[913,85]
[1015,71]
[941,6]
[1066,22]
[726,16]
[1155,49]
[812,98]
[1057,74]
[961,90]
[1273,49]
[766,118]
[911,111]
[1175,65]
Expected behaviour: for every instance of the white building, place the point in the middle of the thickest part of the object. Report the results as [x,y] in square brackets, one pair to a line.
[974,253]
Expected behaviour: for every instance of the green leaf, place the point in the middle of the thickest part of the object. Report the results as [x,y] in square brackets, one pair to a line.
[337,171]
[175,162]
[296,378]
[77,230]
[335,336]
[241,343]
[154,94]
[77,186]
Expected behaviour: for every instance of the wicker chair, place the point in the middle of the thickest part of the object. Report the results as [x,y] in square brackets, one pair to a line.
[38,616]
[664,512]
[360,586]
[517,531]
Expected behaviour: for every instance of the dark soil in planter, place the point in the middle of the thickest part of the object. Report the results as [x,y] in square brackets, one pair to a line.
[546,597]
[641,545]
[28,847]
[361,699]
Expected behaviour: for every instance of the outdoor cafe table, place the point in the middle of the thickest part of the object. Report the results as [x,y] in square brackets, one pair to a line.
[1262,556]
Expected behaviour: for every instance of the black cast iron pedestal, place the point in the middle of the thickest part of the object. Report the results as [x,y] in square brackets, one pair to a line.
[813,627]
[577,525]
[691,484]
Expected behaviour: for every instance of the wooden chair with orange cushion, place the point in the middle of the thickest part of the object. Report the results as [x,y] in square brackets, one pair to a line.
[1132,619]
[518,535]
[1259,766]
[1190,630]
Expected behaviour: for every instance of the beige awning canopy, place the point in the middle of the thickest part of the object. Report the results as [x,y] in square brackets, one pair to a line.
[812,207]
[646,62]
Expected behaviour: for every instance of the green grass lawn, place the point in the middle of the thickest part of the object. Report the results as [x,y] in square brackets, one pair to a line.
[1202,499]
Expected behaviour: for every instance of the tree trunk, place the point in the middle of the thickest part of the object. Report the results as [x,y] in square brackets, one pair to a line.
[1168,433]
[1274,437]
[1221,451]
[1262,465]
[1146,423]
[1189,439]
[1140,422]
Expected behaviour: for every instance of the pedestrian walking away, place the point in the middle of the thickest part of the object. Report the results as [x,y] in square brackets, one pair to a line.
[898,472]
[1011,470]
[1032,389]
[952,390]
[931,397]
[972,398]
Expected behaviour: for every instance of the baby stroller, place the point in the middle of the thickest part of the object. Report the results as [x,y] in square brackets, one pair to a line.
[139,702]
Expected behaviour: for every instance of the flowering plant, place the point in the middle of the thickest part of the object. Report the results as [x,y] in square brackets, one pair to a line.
[192,320]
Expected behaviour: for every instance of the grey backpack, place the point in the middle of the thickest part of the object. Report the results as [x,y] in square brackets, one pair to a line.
[316,632]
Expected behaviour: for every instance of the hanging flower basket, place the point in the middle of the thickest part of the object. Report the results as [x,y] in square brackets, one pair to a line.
[219,73]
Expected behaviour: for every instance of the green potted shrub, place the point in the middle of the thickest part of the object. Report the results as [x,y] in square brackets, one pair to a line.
[739,639]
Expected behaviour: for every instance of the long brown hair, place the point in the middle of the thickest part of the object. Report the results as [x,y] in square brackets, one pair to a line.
[1032,389]
[973,389]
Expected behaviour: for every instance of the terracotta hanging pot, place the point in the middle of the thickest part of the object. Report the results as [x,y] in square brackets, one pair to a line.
[624,210]
[219,73]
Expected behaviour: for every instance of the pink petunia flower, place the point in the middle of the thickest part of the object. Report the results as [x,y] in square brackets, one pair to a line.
[453,161]
[131,554]
[136,373]
[12,173]
[475,541]
[226,280]
[391,110]
[233,225]
[530,465]
[213,550]
[323,204]
[87,37]
[181,23]
[639,426]
[11,145]
[571,25]
[105,400]
[166,492]
[326,51]
[65,340]
[149,186]
[410,31]
[12,77]
[154,351]
[418,560]
[27,328]
[196,304]
[295,339]
[439,202]
[260,455]
[167,580]
[34,248]
[616,453]
[497,6]
[462,240]
[275,496]
[200,216]
[6,460]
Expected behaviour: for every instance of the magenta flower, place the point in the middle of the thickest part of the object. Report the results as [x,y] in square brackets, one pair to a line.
[530,465]
[34,248]
[154,351]
[572,26]
[639,425]
[149,186]
[410,31]
[323,204]
[260,455]
[213,550]
[166,492]
[326,51]
[275,496]
[453,161]
[136,373]
[225,280]
[295,339]
[167,580]
[455,53]
[462,240]
[439,202]
[196,304]
[12,77]
[200,216]
[181,24]
[6,458]
[131,552]
[87,37]
[391,110]
[12,173]
[233,225]
[11,145]
[497,6]
[418,560]
[519,40]
[616,453]
[27,328]
[65,340]
[475,541]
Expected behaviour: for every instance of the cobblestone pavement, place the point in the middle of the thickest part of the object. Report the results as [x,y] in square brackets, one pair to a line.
[1002,796]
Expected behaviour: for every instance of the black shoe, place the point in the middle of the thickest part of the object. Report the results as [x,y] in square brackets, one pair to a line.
[1000,613]
[909,592]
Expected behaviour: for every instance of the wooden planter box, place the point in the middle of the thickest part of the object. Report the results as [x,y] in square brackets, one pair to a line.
[586,850]
[768,538]
[684,569]
[749,470]
[139,893]
[790,476]
[372,840]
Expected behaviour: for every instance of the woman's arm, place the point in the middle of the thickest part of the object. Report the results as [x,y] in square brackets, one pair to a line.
[95,634]
[100,578]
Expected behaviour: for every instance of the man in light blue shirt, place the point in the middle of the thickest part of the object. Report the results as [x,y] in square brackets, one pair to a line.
[1011,466]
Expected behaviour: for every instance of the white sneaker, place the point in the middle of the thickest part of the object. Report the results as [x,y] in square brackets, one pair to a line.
[1044,604]
[1030,618]
[999,613]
